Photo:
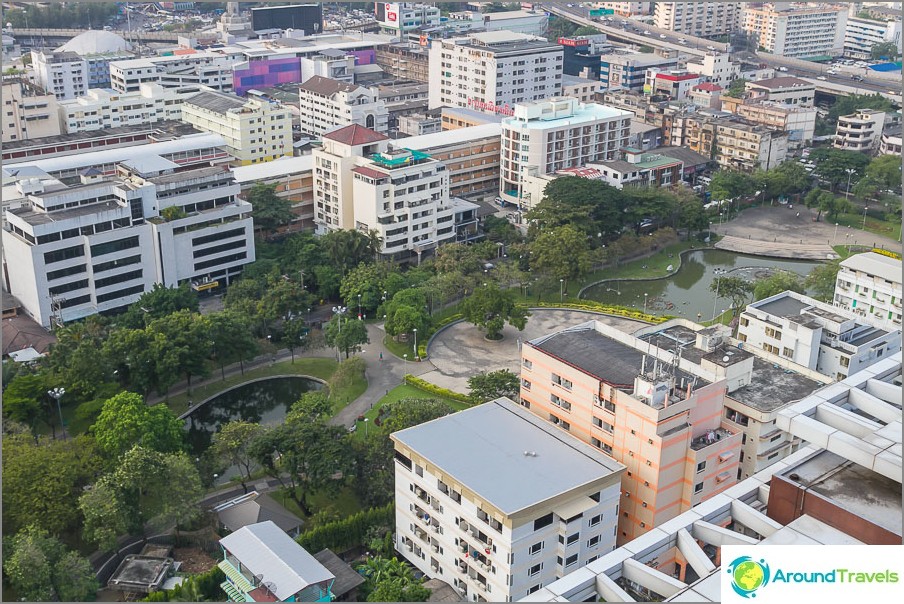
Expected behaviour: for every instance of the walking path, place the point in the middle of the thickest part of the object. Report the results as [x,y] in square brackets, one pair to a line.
[802,251]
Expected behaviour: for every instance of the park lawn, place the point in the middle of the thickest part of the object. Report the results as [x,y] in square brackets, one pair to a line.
[886,228]
[399,349]
[317,367]
[344,503]
[396,394]
[343,396]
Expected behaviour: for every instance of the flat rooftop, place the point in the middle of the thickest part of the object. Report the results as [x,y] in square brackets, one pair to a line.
[772,387]
[171,127]
[484,448]
[851,487]
[783,307]
[140,573]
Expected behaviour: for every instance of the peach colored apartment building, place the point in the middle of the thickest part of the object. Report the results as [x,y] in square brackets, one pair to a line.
[633,402]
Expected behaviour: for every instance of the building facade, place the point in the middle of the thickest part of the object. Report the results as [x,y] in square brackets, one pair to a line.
[639,169]
[399,18]
[28,111]
[293,179]
[860,131]
[325,104]
[674,85]
[256,129]
[785,90]
[105,108]
[627,9]
[798,122]
[697,18]
[816,335]
[547,136]
[891,140]
[195,69]
[492,71]
[533,23]
[733,143]
[629,71]
[870,285]
[74,251]
[861,35]
[665,426]
[797,30]
[63,74]
[476,527]
[716,67]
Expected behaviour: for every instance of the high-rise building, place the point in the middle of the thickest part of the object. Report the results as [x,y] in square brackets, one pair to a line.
[798,30]
[697,18]
[492,71]
[28,111]
[869,284]
[326,104]
[256,129]
[498,503]
[547,136]
[63,74]
[74,251]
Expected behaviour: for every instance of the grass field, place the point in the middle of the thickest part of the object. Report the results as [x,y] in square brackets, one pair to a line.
[396,394]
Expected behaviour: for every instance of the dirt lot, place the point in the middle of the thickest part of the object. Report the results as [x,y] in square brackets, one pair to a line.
[193,559]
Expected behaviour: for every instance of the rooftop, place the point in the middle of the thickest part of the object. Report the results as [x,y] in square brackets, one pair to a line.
[484,448]
[426,142]
[687,156]
[277,168]
[217,102]
[326,86]
[253,508]
[780,82]
[264,549]
[96,42]
[875,264]
[639,59]
[346,578]
[141,574]
[354,135]
[165,128]
[583,112]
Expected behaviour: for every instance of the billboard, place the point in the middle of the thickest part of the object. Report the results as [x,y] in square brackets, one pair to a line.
[306,17]
[388,13]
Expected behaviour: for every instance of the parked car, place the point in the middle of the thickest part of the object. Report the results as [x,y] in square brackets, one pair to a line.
[783,69]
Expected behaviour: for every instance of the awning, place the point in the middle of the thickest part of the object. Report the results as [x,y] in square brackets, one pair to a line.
[573,508]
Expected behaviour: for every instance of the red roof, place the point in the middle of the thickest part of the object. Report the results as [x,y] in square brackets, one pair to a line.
[676,77]
[369,172]
[355,135]
[708,87]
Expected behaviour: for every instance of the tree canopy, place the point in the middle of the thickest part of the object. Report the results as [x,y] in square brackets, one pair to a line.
[490,308]
[487,386]
[269,211]
[346,334]
[41,569]
[777,283]
[126,421]
[734,288]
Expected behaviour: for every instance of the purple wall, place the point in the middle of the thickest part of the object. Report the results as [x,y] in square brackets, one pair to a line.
[269,72]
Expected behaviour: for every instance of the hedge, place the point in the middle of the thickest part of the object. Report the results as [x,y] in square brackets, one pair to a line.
[621,311]
[437,390]
[343,535]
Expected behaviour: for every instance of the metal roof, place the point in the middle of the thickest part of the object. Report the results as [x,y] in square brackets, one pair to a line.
[216,101]
[265,550]
[484,448]
[875,264]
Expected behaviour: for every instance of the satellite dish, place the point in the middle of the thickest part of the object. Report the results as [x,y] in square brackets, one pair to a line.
[271,587]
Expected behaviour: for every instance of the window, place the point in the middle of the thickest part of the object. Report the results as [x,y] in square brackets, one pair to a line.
[535,569]
[787,352]
[573,538]
[844,361]
[698,487]
[594,541]
[114,246]
[773,333]
[745,322]
[137,289]
[571,560]
[525,384]
[534,588]
[596,520]
[527,364]
[701,466]
[543,521]
[64,254]
[536,548]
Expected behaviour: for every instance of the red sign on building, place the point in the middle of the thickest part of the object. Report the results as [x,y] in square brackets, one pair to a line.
[573,42]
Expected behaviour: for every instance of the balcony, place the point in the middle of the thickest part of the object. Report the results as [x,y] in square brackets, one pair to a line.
[711,437]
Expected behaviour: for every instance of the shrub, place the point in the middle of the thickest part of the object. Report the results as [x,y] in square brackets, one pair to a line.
[437,390]
[621,311]
[343,535]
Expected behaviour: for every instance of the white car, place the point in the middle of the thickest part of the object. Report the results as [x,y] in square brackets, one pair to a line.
[646,33]
[783,69]
[710,48]
[821,78]
[831,72]
[682,41]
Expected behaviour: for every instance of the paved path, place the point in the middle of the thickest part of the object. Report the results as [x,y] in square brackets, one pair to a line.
[791,232]
[460,351]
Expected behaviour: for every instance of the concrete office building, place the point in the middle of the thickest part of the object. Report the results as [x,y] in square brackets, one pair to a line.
[95,247]
[28,111]
[63,74]
[97,49]
[716,67]
[799,122]
[581,89]
[861,35]
[547,136]
[492,71]
[860,131]
[870,285]
[844,488]
[399,18]
[293,178]
[816,335]
[665,425]
[697,18]
[786,90]
[530,22]
[326,104]
[476,526]
[105,108]
[629,71]
[195,69]
[797,30]
[255,128]
[336,65]
[674,85]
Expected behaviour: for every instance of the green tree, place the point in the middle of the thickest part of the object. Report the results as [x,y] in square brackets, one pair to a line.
[126,421]
[186,346]
[347,373]
[490,307]
[736,88]
[346,334]
[42,481]
[231,339]
[777,283]
[269,211]
[736,289]
[591,206]
[487,386]
[561,253]
[832,165]
[295,335]
[692,215]
[728,184]
[501,230]
[25,400]
[821,280]
[132,356]
[347,249]
[886,170]
[499,7]
[368,281]
[230,446]
[887,51]
[283,298]
[74,355]
[40,569]
[406,311]
[157,303]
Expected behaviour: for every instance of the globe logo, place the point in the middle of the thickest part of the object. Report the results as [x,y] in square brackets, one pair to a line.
[748,575]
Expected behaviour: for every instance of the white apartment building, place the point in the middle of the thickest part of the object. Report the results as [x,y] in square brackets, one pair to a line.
[28,111]
[200,68]
[97,49]
[891,141]
[860,131]
[63,74]
[325,104]
[798,30]
[105,108]
[716,67]
[329,63]
[627,9]
[579,88]
[798,122]
[791,326]
[698,18]
[861,35]
[499,503]
[492,71]
[786,90]
[548,136]
[79,250]
[531,22]
[399,18]
[256,129]
[870,285]
[629,70]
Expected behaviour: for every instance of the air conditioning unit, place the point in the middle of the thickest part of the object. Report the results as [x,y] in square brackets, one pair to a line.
[436,548]
[596,399]
[463,546]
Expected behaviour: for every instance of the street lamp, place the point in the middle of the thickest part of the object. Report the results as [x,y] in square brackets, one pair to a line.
[865,208]
[57,394]
[850,173]
[359,306]
[645,302]
[365,427]
[405,356]
[561,290]
[835,236]
[416,356]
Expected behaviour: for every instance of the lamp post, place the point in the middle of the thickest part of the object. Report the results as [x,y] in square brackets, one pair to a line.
[416,355]
[365,427]
[405,356]
[339,310]
[561,290]
[645,302]
[57,394]
[359,306]
[835,236]
[863,227]
[850,172]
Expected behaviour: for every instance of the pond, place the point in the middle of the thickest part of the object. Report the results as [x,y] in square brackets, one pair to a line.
[687,293]
[263,402]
